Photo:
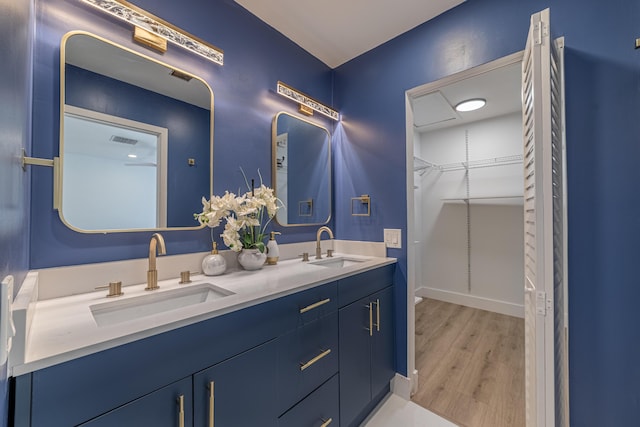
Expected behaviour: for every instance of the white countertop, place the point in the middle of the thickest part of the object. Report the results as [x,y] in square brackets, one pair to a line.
[63,329]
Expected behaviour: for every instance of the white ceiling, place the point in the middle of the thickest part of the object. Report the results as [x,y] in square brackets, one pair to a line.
[499,87]
[336,31]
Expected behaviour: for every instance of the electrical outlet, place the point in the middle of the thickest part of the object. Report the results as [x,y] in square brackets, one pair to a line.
[393,237]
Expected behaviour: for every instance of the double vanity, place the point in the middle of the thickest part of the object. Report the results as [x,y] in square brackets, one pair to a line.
[295,344]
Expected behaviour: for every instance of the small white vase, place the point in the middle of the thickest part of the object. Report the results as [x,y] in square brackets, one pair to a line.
[251,259]
[214,264]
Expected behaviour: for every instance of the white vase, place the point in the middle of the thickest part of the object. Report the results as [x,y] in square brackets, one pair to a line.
[251,259]
[214,264]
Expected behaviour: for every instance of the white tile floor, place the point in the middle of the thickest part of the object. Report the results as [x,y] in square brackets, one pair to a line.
[397,412]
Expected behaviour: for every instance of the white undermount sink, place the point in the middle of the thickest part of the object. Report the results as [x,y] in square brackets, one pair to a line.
[114,312]
[337,262]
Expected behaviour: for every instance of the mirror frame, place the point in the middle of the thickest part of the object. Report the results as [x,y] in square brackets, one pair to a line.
[58,176]
[274,166]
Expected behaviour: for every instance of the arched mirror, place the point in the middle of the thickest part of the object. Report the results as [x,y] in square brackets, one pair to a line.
[301,154]
[135,139]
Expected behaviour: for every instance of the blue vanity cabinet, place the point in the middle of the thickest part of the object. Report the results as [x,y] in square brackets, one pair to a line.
[308,358]
[240,391]
[367,342]
[170,406]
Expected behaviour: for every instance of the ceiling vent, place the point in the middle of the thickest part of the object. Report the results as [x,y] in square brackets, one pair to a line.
[123,140]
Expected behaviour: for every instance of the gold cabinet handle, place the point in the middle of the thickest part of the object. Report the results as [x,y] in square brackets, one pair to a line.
[378,315]
[211,403]
[181,411]
[325,423]
[314,305]
[304,366]
[370,319]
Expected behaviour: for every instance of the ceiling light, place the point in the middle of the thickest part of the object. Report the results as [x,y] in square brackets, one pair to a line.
[131,156]
[471,104]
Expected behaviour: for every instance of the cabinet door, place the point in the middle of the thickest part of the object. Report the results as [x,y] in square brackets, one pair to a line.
[355,359]
[159,409]
[240,391]
[382,341]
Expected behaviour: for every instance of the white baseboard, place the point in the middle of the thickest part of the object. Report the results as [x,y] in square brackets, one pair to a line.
[502,307]
[401,386]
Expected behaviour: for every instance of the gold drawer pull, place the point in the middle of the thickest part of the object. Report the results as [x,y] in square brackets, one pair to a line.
[181,411]
[314,305]
[370,305]
[304,366]
[378,315]
[211,403]
[326,423]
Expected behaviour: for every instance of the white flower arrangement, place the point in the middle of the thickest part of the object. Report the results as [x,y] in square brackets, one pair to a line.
[243,215]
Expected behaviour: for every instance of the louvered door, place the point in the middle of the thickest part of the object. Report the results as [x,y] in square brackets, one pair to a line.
[545,340]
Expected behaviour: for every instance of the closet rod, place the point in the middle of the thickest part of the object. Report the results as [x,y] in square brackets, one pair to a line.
[420,164]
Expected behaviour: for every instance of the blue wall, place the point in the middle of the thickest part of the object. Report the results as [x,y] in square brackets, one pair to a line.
[188,133]
[16,42]
[245,102]
[603,130]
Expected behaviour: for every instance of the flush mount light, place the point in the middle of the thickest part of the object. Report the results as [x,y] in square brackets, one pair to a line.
[131,156]
[307,104]
[157,27]
[471,104]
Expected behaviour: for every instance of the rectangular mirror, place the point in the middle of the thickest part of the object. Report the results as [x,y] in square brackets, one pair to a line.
[136,139]
[301,164]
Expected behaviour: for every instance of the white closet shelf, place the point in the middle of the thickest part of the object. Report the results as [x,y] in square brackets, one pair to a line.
[487,200]
[421,165]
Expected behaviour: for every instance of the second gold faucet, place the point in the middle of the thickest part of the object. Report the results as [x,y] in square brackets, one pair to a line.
[318,248]
[152,273]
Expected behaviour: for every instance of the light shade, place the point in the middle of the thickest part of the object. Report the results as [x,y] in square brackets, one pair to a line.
[471,104]
[126,11]
[302,99]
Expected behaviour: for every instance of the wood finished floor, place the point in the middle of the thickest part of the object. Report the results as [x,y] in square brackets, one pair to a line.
[471,365]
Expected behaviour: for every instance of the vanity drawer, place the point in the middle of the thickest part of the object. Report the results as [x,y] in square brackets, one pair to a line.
[351,289]
[320,408]
[307,357]
[310,305]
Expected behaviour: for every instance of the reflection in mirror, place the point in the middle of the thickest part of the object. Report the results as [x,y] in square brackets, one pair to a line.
[301,170]
[135,139]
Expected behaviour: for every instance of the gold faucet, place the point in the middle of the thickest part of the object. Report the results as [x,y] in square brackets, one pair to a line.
[152,273]
[320,230]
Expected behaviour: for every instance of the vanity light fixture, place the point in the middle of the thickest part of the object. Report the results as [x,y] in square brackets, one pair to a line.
[154,26]
[306,102]
[471,104]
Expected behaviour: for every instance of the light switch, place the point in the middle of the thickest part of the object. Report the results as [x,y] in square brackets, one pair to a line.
[393,237]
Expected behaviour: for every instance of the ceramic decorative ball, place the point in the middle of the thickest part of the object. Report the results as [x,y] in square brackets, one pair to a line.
[214,264]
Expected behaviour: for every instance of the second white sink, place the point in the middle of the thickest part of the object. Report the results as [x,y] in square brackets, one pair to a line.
[337,262]
[114,312]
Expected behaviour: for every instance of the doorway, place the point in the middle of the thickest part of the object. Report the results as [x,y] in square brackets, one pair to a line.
[544,222]
[468,210]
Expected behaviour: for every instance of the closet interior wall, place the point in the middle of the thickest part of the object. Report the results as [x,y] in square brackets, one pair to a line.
[471,255]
